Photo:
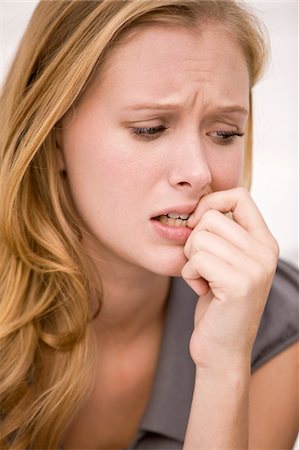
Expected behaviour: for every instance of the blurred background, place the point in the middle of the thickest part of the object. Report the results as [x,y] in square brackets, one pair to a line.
[275,174]
[275,99]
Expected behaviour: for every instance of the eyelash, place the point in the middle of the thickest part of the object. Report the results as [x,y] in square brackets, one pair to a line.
[227,137]
[149,132]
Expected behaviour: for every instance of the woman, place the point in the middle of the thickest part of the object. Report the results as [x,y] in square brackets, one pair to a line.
[125,144]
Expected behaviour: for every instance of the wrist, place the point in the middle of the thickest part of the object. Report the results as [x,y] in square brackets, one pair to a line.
[220,409]
[233,374]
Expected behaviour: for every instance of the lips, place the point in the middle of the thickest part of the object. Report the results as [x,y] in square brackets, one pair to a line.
[172,223]
[172,229]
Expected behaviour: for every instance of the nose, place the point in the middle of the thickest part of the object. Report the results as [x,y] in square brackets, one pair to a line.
[189,168]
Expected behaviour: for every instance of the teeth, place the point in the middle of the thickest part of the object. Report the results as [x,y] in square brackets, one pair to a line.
[184,216]
[178,216]
[163,219]
[173,215]
[172,222]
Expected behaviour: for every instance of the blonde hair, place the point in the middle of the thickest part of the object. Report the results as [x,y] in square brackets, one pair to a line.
[46,346]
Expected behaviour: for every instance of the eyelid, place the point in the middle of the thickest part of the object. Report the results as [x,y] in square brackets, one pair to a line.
[225,137]
[217,122]
[227,133]
[146,121]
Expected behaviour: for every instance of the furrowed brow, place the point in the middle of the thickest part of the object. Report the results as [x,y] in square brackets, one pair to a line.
[233,109]
[152,106]
[172,106]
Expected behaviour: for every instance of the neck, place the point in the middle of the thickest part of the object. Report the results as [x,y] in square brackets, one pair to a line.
[133,302]
[131,306]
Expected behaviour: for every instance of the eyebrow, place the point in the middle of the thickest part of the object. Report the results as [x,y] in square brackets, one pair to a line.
[233,109]
[173,106]
[145,106]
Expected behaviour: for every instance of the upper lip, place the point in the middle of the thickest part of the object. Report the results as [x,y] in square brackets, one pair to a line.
[181,209]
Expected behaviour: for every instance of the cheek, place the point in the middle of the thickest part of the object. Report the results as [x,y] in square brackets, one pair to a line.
[226,170]
[104,172]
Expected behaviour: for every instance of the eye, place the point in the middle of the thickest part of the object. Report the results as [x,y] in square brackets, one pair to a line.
[225,137]
[149,132]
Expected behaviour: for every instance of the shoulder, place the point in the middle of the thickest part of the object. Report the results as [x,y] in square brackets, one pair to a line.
[279,327]
[274,395]
[273,402]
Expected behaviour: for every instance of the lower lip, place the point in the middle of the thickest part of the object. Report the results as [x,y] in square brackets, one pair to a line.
[177,234]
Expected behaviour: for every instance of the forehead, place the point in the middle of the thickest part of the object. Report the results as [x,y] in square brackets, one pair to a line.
[166,60]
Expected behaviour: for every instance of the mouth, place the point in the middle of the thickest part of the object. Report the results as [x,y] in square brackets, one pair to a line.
[173,219]
[173,225]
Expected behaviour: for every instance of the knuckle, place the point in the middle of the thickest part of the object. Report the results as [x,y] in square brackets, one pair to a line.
[198,259]
[195,244]
[208,218]
[275,248]
[259,273]
[199,237]
[192,266]
[242,191]
[196,238]
[270,258]
[185,271]
[255,276]
[246,285]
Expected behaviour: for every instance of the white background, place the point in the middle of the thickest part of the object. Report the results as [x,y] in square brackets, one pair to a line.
[275,181]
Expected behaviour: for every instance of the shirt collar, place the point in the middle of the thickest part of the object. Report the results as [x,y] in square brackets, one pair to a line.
[168,409]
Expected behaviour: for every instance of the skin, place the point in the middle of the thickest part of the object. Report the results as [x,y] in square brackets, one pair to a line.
[178,166]
[119,180]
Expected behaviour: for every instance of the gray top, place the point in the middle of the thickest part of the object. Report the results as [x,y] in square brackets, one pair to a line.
[164,422]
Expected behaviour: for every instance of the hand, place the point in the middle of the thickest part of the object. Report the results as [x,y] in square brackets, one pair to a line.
[231,264]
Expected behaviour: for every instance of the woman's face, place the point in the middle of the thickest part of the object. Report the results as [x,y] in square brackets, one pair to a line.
[156,131]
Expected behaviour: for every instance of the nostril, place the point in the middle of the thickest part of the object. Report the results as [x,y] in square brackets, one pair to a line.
[184,183]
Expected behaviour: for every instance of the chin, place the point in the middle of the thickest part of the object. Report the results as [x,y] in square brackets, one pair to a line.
[170,264]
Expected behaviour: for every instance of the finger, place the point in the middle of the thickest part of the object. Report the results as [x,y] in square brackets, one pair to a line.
[215,271]
[195,281]
[240,204]
[217,224]
[198,284]
[211,243]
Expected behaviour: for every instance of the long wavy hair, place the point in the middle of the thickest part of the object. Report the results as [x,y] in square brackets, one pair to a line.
[47,351]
